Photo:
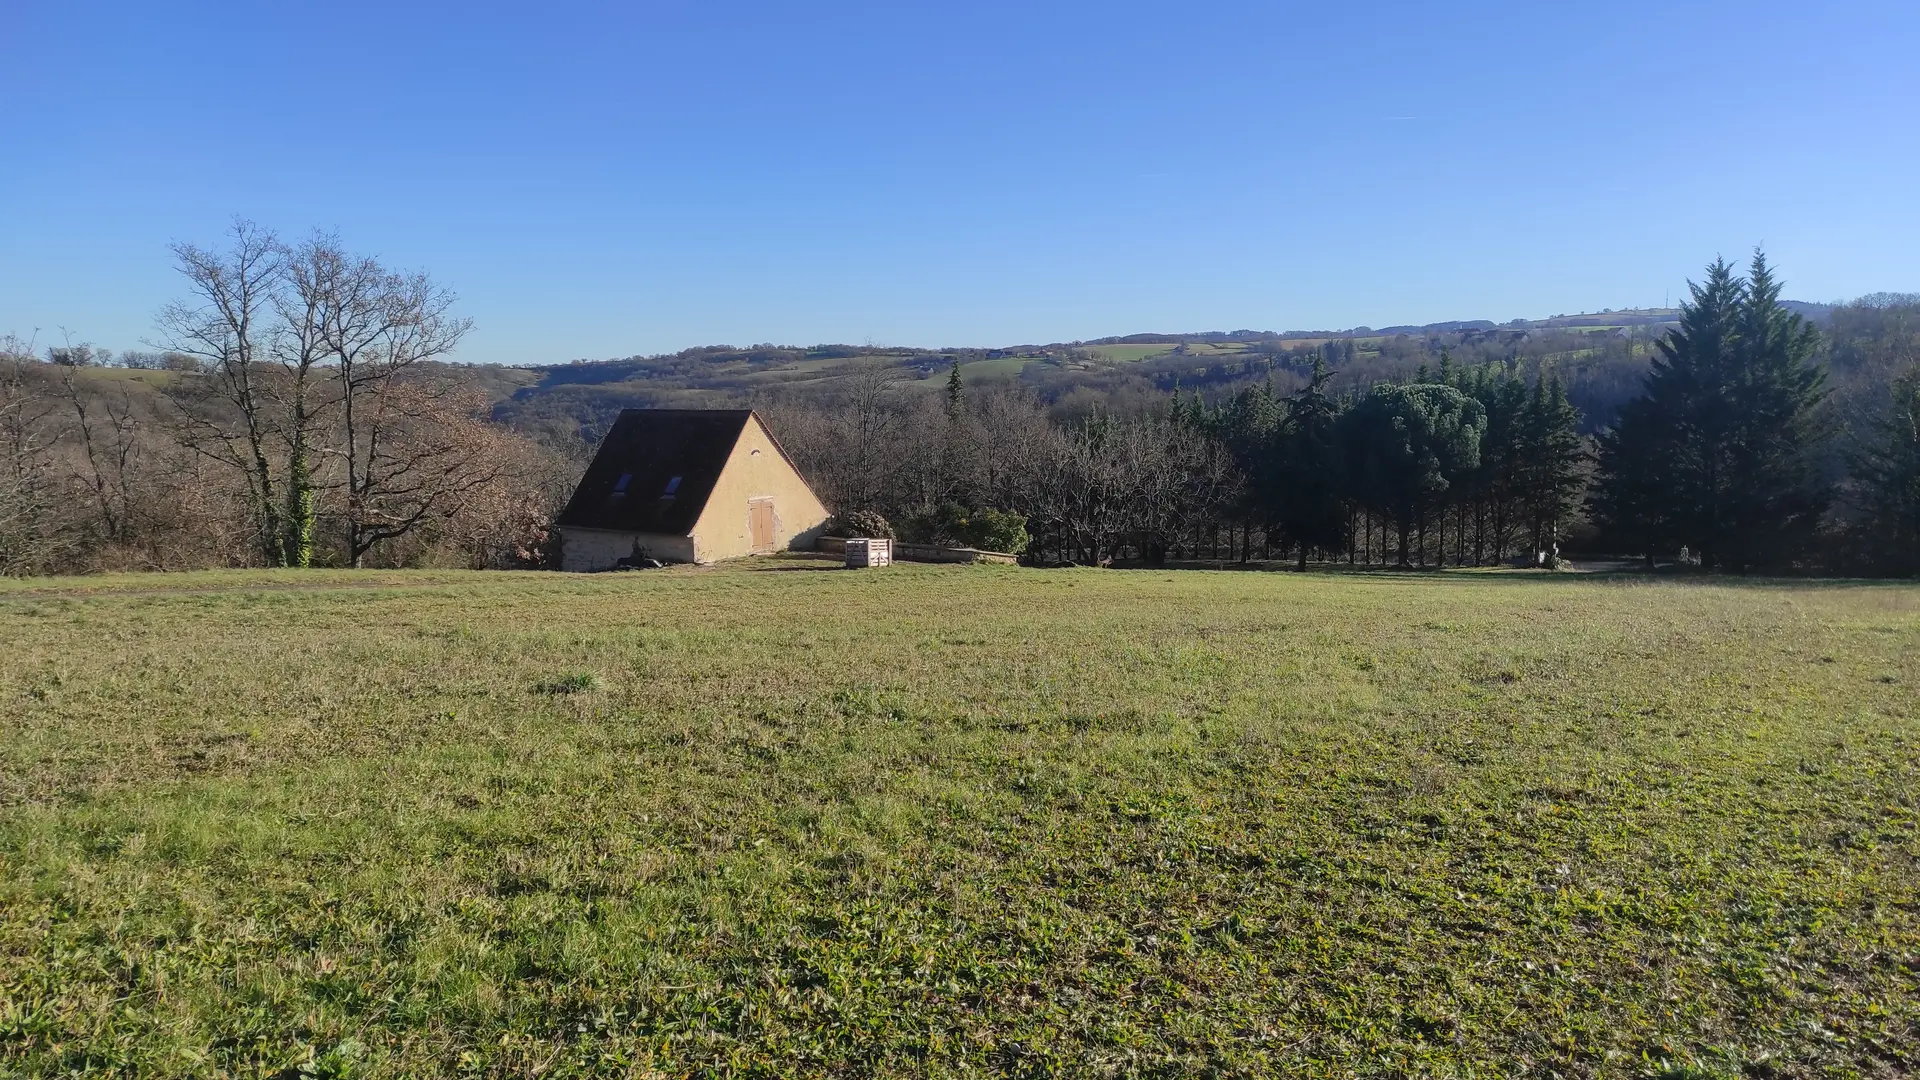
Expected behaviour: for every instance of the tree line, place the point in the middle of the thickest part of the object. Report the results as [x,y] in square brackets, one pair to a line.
[1457,467]
[1732,455]
[296,410]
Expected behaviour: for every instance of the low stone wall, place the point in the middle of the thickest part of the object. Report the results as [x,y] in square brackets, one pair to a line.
[835,545]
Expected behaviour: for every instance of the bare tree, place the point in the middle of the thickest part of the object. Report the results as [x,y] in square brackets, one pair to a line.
[871,423]
[407,439]
[321,281]
[489,503]
[228,415]
[309,354]
[25,468]
[1107,483]
[856,444]
[1011,430]
[423,451]
[1172,476]
[107,431]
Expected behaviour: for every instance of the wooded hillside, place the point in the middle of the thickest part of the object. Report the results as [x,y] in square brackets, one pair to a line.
[303,410]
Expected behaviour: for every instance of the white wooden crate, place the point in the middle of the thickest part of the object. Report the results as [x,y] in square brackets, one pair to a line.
[862,551]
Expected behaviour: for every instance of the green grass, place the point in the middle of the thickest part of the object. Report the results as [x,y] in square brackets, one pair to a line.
[815,364]
[1007,367]
[944,821]
[1127,354]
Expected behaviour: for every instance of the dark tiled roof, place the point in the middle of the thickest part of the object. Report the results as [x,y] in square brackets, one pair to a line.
[650,447]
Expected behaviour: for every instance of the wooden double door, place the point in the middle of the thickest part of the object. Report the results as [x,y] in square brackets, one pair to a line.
[760,525]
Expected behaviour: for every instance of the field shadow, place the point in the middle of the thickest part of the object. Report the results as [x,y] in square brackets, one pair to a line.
[1611,571]
[788,561]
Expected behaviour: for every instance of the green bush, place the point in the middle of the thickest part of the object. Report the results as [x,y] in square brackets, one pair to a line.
[997,530]
[953,525]
[867,523]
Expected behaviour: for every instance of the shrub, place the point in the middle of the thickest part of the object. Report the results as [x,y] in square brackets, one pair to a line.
[868,523]
[953,525]
[998,530]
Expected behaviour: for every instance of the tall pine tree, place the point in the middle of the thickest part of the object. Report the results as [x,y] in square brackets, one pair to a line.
[1717,453]
[1308,509]
[1496,488]
[953,390]
[1780,495]
[1887,471]
[1551,459]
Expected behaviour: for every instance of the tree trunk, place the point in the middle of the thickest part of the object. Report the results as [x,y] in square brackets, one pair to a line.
[271,539]
[298,544]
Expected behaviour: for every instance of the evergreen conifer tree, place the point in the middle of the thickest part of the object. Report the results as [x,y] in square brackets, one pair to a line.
[1411,444]
[1887,470]
[1307,506]
[1501,479]
[1630,502]
[953,391]
[1552,459]
[1779,495]
[1245,426]
[1717,453]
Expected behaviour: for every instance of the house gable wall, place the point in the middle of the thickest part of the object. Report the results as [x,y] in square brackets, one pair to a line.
[756,469]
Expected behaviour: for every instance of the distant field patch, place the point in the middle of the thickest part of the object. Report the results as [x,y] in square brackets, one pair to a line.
[815,364]
[1128,354]
[1008,367]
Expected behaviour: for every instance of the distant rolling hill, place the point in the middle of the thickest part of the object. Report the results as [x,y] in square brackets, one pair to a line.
[1600,355]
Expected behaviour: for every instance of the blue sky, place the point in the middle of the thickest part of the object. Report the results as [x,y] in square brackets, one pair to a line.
[597,181]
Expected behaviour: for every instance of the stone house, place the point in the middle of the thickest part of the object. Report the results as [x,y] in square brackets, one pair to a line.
[690,486]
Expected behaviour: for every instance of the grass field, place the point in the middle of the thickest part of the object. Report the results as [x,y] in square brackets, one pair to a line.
[1008,367]
[763,820]
[1127,354]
